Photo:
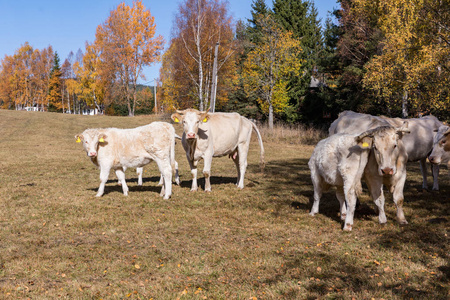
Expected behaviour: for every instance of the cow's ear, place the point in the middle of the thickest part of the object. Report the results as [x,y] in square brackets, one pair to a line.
[447,132]
[102,137]
[402,130]
[365,142]
[78,138]
[204,117]
[176,117]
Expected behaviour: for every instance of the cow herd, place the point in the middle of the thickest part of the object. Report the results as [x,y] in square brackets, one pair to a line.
[359,147]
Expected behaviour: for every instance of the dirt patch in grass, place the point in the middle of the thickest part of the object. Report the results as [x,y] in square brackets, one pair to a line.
[58,241]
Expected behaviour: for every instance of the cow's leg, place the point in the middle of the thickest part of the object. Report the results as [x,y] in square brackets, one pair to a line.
[242,153]
[435,172]
[207,172]
[235,157]
[166,172]
[341,198]
[118,180]
[350,197]
[424,172]
[161,180]
[139,172]
[104,174]
[177,176]
[193,166]
[318,189]
[121,176]
[375,185]
[398,198]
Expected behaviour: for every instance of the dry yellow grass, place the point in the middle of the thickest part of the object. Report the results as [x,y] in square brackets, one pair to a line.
[58,241]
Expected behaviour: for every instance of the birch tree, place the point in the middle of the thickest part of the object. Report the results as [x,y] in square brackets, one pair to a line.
[126,42]
[198,26]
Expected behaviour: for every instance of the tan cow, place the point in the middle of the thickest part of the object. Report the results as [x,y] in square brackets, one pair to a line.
[441,147]
[118,149]
[207,135]
[418,144]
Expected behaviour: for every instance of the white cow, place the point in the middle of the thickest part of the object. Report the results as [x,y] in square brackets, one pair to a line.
[339,161]
[118,149]
[441,147]
[418,144]
[207,135]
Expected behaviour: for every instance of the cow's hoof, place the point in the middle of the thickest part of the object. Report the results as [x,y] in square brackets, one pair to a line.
[347,227]
[403,222]
[312,214]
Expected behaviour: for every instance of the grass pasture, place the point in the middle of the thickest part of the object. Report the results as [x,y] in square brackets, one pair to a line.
[58,241]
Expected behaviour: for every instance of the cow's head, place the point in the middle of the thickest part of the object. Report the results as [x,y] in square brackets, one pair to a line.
[385,145]
[441,145]
[191,120]
[91,138]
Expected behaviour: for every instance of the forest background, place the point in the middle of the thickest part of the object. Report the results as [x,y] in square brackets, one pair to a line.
[283,64]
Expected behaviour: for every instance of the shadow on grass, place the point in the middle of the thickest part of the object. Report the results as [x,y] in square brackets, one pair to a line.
[214,180]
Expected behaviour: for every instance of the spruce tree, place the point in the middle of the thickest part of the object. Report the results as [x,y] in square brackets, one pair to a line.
[54,89]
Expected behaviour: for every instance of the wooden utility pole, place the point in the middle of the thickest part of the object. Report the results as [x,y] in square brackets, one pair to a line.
[214,80]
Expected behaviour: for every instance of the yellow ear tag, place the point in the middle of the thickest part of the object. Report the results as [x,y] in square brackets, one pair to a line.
[205,120]
[365,145]
[101,140]
[78,140]
[176,120]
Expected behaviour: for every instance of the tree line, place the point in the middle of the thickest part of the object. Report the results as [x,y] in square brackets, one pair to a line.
[385,57]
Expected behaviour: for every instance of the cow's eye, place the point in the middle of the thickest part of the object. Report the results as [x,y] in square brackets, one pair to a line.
[395,146]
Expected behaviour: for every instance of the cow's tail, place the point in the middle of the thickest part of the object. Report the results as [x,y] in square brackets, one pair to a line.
[261,162]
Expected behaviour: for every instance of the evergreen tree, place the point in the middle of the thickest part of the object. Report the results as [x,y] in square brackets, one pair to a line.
[55,101]
[259,8]
[301,18]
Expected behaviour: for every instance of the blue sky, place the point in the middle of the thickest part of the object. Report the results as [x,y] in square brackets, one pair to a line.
[66,25]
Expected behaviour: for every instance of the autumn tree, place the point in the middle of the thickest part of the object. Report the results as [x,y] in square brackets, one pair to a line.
[6,88]
[91,88]
[126,43]
[198,27]
[411,71]
[41,68]
[269,65]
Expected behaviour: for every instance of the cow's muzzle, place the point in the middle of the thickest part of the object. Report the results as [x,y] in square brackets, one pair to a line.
[92,154]
[387,171]
[190,135]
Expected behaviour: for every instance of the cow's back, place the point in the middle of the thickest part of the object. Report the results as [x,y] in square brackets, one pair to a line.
[354,123]
[134,146]
[419,142]
[225,130]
